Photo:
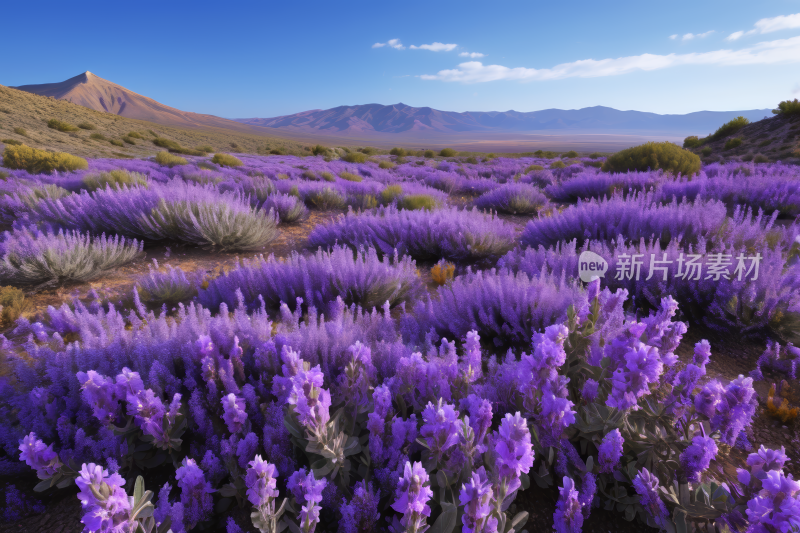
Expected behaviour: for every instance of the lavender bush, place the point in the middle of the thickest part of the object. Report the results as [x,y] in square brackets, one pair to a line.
[318,280]
[513,198]
[33,257]
[444,233]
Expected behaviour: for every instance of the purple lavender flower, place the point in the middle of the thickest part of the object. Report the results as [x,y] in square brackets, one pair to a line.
[103,499]
[235,414]
[697,457]
[476,498]
[568,517]
[470,364]
[439,428]
[589,390]
[610,451]
[646,486]
[98,391]
[311,401]
[412,498]
[629,383]
[38,456]
[777,505]
[513,451]
[480,418]
[767,459]
[361,513]
[261,482]
[307,490]
[195,493]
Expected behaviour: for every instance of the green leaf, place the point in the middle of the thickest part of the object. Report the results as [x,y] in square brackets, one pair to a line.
[525,480]
[42,485]
[441,479]
[138,490]
[519,520]
[446,522]
[679,519]
[64,483]
[228,491]
[630,513]
[589,464]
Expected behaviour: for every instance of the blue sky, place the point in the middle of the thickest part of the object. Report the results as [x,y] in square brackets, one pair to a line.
[263,59]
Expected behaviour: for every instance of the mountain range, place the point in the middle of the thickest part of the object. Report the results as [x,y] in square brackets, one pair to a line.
[402,118]
[378,124]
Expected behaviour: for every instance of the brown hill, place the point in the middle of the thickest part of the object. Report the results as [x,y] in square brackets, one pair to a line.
[24,117]
[776,138]
[94,92]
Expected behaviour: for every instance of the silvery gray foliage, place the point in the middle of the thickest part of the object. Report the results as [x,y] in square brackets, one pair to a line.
[34,257]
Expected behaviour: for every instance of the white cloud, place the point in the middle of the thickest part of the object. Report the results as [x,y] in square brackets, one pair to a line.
[690,36]
[796,90]
[765,53]
[435,47]
[769,25]
[673,36]
[391,43]
[473,55]
[781,22]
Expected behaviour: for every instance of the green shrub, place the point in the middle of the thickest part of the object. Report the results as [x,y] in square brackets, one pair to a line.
[490,156]
[429,154]
[355,157]
[151,132]
[327,176]
[368,150]
[729,128]
[760,159]
[21,131]
[114,178]
[166,143]
[532,168]
[350,176]
[128,140]
[226,160]
[595,155]
[37,161]
[386,165]
[60,126]
[706,151]
[747,157]
[733,143]
[557,164]
[319,150]
[116,142]
[309,175]
[206,149]
[448,152]
[12,304]
[135,135]
[277,151]
[235,147]
[326,198]
[399,152]
[788,107]
[472,160]
[11,142]
[595,164]
[390,194]
[655,156]
[764,143]
[87,126]
[97,136]
[417,201]
[4,175]
[169,160]
[692,141]
[569,155]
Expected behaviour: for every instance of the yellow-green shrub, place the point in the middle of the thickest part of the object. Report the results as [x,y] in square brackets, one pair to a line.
[531,168]
[114,178]
[169,160]
[654,156]
[10,141]
[226,160]
[60,126]
[399,152]
[390,193]
[386,165]
[97,136]
[692,142]
[12,303]
[557,164]
[87,126]
[135,135]
[205,149]
[350,176]
[36,161]
[788,107]
[429,154]
[417,201]
[570,154]
[733,143]
[21,131]
[116,142]
[355,157]
[729,128]
[448,152]
[327,176]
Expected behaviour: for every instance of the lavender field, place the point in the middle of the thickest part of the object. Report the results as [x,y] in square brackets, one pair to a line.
[402,344]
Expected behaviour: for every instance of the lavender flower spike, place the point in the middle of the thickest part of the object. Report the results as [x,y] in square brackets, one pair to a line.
[476,498]
[646,486]
[38,456]
[262,492]
[568,517]
[234,412]
[413,494]
[307,491]
[696,458]
[610,451]
[104,499]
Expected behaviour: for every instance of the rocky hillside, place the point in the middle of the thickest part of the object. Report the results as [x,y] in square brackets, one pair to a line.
[776,138]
